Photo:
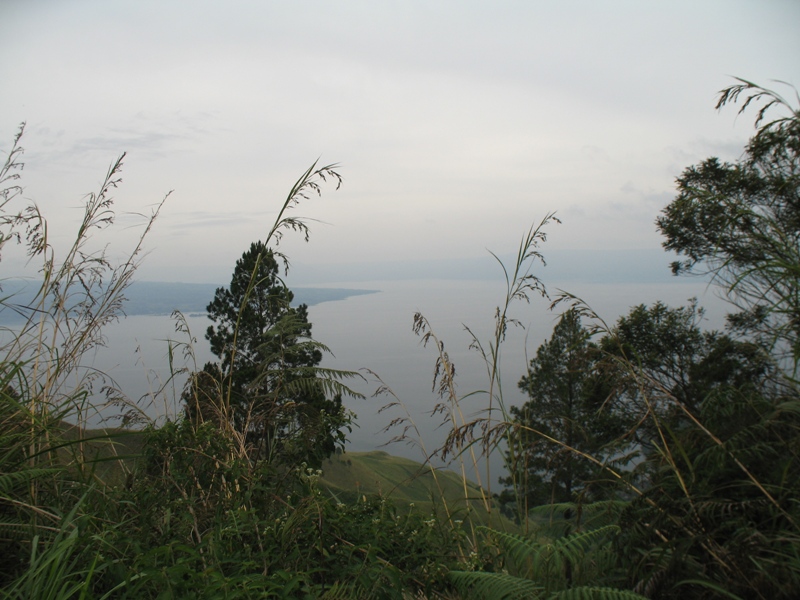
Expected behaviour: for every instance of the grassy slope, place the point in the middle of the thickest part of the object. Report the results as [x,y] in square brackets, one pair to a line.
[380,473]
[110,452]
[349,475]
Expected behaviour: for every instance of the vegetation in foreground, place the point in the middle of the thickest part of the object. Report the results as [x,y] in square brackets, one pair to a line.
[653,459]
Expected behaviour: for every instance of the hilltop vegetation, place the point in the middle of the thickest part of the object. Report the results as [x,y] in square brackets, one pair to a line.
[653,458]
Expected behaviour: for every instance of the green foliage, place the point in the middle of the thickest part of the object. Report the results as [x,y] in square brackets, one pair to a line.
[717,431]
[659,368]
[202,523]
[268,388]
[721,508]
[479,584]
[46,379]
[719,516]
[58,566]
[248,311]
[560,520]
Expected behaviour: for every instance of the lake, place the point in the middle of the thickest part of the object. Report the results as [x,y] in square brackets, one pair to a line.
[374,331]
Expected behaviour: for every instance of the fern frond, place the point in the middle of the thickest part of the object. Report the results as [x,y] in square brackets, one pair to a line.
[574,559]
[595,593]
[330,387]
[10,481]
[14,528]
[575,549]
[493,586]
[558,520]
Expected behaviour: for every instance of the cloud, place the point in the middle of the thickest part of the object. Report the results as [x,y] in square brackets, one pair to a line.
[210,219]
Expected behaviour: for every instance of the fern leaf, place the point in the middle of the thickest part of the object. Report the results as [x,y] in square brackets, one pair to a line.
[576,545]
[9,481]
[493,586]
[595,593]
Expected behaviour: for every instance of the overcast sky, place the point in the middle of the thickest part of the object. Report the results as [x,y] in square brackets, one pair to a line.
[456,124]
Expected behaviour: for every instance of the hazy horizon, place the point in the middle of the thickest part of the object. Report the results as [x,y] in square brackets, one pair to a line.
[561,265]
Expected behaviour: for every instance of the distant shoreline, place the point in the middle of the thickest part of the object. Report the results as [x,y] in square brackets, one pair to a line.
[151,298]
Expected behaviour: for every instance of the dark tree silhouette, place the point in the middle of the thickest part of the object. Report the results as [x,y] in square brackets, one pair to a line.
[558,383]
[265,383]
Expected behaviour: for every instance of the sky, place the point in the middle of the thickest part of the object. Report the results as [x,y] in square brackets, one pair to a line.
[456,125]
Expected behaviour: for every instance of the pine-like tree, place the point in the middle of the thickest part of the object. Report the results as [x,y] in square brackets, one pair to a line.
[558,383]
[265,383]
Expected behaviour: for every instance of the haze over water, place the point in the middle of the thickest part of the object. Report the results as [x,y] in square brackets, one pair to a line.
[374,332]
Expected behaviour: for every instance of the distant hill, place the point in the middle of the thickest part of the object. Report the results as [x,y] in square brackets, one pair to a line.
[160,298]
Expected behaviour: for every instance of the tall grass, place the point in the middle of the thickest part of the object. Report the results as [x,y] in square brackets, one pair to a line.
[473,439]
[49,383]
[75,295]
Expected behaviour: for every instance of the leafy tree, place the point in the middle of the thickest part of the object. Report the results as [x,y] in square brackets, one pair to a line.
[659,368]
[648,354]
[266,382]
[740,222]
[558,383]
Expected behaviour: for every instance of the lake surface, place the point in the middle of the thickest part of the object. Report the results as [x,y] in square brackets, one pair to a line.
[374,332]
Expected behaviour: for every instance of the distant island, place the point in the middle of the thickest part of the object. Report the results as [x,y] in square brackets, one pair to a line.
[161,298]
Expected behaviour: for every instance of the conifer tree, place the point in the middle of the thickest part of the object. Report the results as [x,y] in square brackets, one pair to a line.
[265,382]
[558,383]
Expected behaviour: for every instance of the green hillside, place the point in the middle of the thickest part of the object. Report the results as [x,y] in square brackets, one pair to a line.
[111,452]
[351,475]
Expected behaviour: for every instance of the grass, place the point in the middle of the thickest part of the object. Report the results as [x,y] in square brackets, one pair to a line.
[347,477]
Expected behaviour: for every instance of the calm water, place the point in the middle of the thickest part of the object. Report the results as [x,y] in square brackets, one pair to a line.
[375,332]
